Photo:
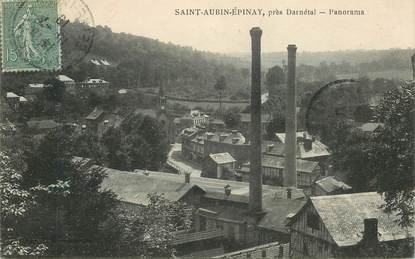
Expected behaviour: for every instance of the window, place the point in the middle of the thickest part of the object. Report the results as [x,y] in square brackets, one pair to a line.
[248,255]
[264,253]
[312,220]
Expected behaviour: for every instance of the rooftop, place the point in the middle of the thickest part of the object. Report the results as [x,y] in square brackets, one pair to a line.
[95,80]
[369,126]
[343,217]
[277,148]
[11,95]
[95,114]
[331,184]
[135,187]
[232,137]
[222,158]
[64,78]
[279,162]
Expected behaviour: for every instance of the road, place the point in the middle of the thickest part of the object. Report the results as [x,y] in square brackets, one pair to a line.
[175,160]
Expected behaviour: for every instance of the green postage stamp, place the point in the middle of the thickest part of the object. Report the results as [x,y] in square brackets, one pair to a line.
[30,35]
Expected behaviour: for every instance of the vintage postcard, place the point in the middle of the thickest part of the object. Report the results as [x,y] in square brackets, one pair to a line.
[207,129]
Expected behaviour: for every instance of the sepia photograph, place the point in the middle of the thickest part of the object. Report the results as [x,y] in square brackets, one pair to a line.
[207,129]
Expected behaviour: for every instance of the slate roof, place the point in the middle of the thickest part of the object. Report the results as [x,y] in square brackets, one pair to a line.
[277,210]
[330,184]
[215,137]
[134,187]
[42,124]
[279,162]
[318,149]
[222,158]
[95,114]
[343,217]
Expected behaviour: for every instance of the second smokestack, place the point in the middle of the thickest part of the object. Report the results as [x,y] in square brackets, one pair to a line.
[290,169]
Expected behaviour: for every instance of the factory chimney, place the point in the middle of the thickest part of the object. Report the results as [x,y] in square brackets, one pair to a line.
[255,177]
[290,169]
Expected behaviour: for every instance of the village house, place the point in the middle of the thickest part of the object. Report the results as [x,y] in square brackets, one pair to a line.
[347,225]
[198,144]
[70,84]
[222,164]
[273,172]
[94,83]
[218,204]
[94,118]
[308,148]
[194,118]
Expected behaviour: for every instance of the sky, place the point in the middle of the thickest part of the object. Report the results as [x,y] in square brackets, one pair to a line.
[386,24]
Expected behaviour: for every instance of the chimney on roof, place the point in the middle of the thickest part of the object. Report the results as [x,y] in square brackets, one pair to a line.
[370,234]
[235,140]
[269,147]
[255,177]
[228,190]
[222,137]
[308,144]
[290,175]
[209,135]
[234,132]
[289,191]
[187,177]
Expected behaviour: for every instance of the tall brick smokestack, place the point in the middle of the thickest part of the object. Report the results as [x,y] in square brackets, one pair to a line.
[290,169]
[255,177]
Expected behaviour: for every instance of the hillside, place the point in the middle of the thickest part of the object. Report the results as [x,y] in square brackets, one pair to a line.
[142,62]
[139,62]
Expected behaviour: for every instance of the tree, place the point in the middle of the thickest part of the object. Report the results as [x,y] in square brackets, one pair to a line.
[220,86]
[274,77]
[350,153]
[150,230]
[232,118]
[71,207]
[276,125]
[392,157]
[55,90]
[383,161]
[16,203]
[140,143]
